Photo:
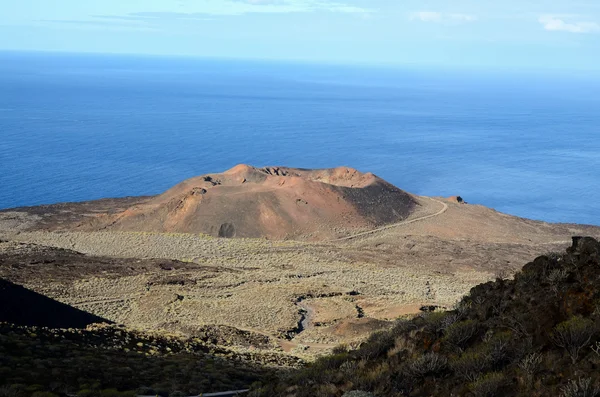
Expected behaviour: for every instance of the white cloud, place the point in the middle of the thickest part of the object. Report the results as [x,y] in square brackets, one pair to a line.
[558,24]
[285,6]
[438,17]
[205,10]
[426,16]
[261,2]
[462,17]
[97,24]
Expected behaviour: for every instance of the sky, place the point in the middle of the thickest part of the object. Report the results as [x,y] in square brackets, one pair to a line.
[513,34]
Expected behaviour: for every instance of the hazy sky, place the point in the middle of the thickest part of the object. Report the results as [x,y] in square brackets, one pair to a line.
[562,34]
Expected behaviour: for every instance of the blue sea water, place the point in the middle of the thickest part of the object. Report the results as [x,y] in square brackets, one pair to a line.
[81,127]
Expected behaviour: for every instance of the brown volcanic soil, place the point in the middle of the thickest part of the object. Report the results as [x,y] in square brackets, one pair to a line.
[273,202]
[63,216]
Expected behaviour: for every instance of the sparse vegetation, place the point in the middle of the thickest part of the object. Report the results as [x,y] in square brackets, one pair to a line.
[488,385]
[458,334]
[506,338]
[358,393]
[582,387]
[498,340]
[471,364]
[245,283]
[530,365]
[556,277]
[428,364]
[115,362]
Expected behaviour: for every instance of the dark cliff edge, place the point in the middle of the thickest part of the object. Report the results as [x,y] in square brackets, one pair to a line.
[22,306]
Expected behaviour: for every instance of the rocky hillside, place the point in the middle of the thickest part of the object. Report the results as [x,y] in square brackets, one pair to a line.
[113,361]
[272,202]
[535,335]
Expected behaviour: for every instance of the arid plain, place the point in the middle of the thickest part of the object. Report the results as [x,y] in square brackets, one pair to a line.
[305,296]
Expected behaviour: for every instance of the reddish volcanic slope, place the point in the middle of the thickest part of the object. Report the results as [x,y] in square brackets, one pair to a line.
[272,202]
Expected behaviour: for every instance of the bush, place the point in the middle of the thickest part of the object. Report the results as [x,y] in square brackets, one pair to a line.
[348,367]
[10,391]
[377,345]
[500,349]
[357,393]
[434,322]
[109,393]
[582,387]
[145,391]
[340,349]
[428,364]
[556,277]
[458,334]
[402,328]
[530,364]
[471,364]
[573,335]
[488,385]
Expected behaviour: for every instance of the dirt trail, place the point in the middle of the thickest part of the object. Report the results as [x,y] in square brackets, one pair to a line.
[305,323]
[307,315]
[103,301]
[407,222]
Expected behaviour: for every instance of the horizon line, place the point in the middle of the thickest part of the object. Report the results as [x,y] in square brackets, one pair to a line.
[316,62]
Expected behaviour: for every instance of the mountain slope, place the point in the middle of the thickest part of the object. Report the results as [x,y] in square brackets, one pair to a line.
[272,202]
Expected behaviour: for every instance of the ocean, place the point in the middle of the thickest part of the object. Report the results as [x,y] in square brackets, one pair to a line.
[80,127]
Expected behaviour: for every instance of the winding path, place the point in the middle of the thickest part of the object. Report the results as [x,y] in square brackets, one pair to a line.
[379,229]
[106,300]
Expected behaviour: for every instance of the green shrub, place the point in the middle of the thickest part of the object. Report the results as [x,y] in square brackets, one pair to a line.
[377,345]
[458,334]
[34,388]
[471,364]
[500,349]
[402,327]
[434,321]
[428,364]
[530,365]
[85,393]
[358,393]
[488,385]
[109,393]
[573,335]
[145,391]
[339,349]
[582,387]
